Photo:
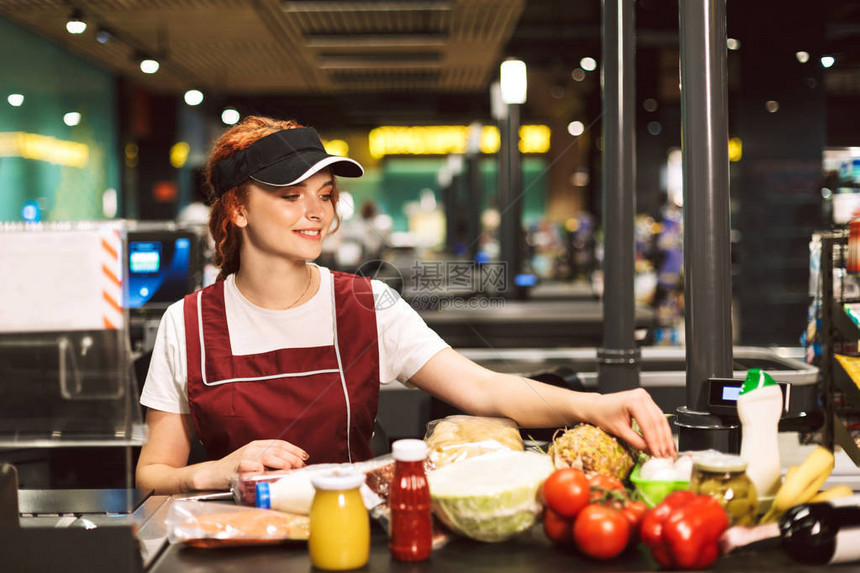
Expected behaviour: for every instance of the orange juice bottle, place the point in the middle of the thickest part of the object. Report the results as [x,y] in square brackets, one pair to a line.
[340,526]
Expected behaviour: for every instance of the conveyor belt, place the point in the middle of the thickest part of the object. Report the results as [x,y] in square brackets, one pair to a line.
[490,323]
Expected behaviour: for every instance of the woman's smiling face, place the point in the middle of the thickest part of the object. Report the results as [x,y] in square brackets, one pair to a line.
[288,221]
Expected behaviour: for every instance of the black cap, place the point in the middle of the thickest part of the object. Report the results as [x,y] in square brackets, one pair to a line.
[284,158]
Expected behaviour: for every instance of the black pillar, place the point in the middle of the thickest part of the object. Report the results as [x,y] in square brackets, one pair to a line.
[619,359]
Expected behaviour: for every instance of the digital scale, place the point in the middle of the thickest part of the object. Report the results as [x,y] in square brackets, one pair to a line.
[801,411]
[723,396]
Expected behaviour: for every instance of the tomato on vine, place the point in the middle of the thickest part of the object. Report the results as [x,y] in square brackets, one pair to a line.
[634,512]
[601,532]
[566,491]
[601,483]
[558,529]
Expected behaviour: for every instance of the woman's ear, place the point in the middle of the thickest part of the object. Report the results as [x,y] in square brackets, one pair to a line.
[238,218]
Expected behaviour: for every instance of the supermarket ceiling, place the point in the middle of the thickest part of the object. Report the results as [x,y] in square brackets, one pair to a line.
[286,47]
[372,58]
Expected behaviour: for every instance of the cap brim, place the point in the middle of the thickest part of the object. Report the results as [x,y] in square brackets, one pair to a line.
[298,168]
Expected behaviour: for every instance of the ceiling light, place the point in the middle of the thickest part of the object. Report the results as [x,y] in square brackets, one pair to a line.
[75,24]
[588,64]
[802,56]
[193,97]
[576,128]
[149,65]
[15,100]
[230,116]
[72,118]
[733,44]
[827,61]
[103,36]
[514,82]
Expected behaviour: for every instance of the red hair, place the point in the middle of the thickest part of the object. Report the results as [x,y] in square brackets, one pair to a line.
[225,234]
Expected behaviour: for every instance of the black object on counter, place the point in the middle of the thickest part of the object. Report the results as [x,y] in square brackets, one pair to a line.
[110,549]
[80,501]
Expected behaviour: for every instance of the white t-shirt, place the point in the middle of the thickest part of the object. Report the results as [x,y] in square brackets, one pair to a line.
[406,343]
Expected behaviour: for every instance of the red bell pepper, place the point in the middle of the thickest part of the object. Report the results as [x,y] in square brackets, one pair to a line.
[683,530]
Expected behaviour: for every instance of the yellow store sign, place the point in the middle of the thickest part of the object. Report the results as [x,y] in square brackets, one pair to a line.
[43,148]
[446,139]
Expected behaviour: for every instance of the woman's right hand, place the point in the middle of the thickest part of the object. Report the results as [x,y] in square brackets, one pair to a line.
[258,455]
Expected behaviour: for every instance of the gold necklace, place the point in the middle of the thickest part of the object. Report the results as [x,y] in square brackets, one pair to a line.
[307,288]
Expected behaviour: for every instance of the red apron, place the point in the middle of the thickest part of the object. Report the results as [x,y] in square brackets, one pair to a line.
[322,399]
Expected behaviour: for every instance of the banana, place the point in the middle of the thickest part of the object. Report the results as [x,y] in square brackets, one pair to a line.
[803,483]
[834,492]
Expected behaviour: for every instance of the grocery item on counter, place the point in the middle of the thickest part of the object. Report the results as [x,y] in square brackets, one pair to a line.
[760,407]
[293,491]
[460,437]
[594,512]
[723,477]
[203,524]
[684,529]
[801,483]
[411,530]
[296,491]
[678,468]
[835,492]
[566,491]
[590,449]
[490,497]
[655,478]
[339,523]
[822,533]
[653,492]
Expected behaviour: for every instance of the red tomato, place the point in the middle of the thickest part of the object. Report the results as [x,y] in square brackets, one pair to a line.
[600,532]
[601,483]
[566,491]
[634,511]
[558,529]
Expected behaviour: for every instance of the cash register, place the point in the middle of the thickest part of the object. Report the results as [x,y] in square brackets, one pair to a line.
[66,382]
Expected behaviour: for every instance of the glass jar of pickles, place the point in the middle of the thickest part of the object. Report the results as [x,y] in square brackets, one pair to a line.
[724,477]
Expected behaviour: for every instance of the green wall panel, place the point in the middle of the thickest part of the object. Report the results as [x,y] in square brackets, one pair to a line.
[402,180]
[53,83]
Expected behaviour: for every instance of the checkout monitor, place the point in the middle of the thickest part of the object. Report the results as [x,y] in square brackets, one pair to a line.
[162,268]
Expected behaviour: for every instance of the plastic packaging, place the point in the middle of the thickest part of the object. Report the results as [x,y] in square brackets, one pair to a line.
[491,497]
[340,525]
[760,407]
[296,492]
[658,477]
[207,524]
[411,519]
[460,437]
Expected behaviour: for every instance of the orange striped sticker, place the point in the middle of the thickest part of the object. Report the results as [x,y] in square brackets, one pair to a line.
[111,267]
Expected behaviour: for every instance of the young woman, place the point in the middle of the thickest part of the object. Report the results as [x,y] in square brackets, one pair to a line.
[278,364]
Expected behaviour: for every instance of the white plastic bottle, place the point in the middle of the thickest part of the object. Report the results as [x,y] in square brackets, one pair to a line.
[760,407]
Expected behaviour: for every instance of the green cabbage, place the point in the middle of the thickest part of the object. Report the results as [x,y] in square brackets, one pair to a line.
[490,497]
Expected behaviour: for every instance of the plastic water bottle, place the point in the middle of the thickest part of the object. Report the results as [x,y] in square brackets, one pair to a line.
[760,407]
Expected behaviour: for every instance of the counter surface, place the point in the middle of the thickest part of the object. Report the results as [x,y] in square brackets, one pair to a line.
[528,552]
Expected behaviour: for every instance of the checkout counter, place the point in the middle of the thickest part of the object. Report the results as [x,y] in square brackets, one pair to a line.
[81,392]
[528,552]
